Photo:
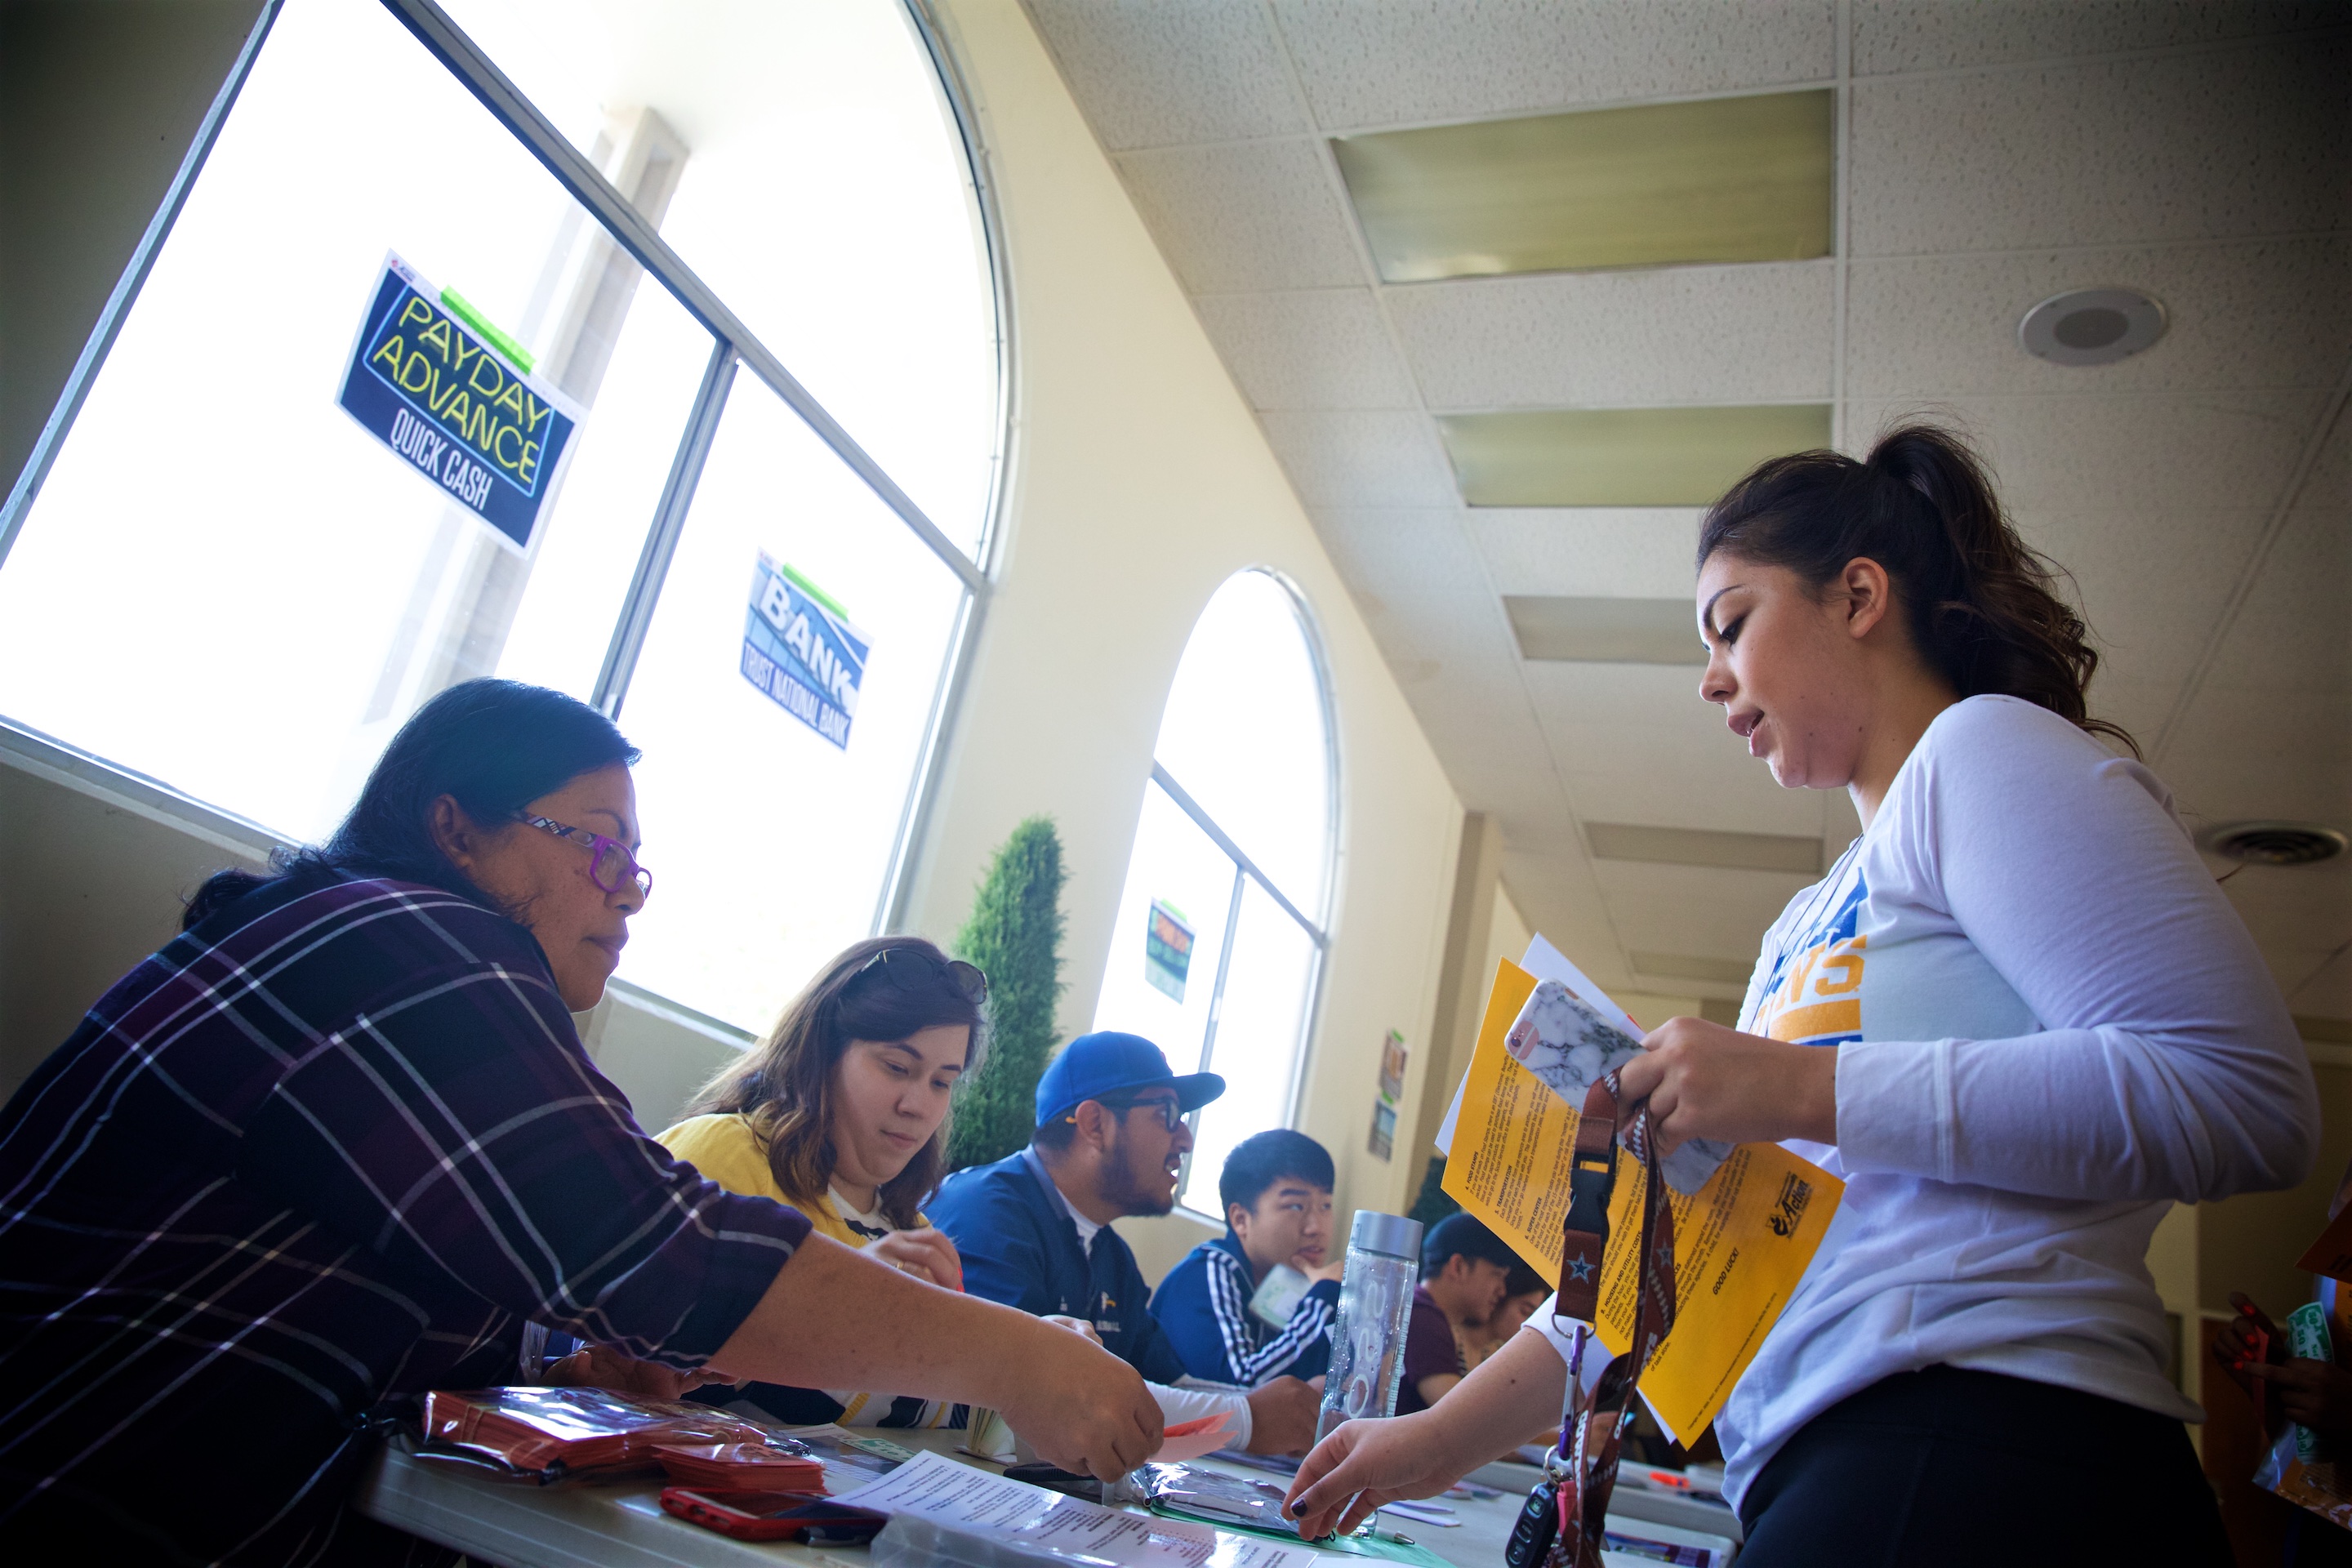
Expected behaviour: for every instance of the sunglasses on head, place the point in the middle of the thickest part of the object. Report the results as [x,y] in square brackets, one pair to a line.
[914,966]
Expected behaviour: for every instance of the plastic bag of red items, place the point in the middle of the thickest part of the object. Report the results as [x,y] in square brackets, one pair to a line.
[549,1434]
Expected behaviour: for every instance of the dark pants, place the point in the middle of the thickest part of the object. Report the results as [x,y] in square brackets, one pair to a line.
[1950,1467]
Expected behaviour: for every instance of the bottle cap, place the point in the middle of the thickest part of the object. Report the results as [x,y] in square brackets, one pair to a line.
[1390,1234]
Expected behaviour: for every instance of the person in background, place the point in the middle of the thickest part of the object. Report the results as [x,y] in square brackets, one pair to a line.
[1465,1270]
[842,1112]
[1033,1229]
[2310,1393]
[1277,1190]
[2016,1018]
[1523,1292]
[338,1143]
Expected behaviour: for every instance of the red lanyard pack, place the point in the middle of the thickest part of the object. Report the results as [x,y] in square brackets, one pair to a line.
[1582,1472]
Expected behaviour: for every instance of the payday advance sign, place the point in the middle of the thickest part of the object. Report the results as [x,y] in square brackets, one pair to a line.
[801,652]
[454,399]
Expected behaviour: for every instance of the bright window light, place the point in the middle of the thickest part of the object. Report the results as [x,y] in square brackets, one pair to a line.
[1246,737]
[826,197]
[770,843]
[228,584]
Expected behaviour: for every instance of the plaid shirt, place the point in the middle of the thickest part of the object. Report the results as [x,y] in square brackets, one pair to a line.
[335,1145]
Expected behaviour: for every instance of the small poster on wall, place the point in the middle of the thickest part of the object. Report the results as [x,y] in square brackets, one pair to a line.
[1392,1061]
[1383,1141]
[1167,948]
[801,652]
[454,397]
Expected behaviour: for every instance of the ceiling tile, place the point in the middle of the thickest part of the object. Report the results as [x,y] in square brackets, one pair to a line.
[1558,896]
[1583,629]
[1338,458]
[1745,178]
[1323,348]
[1149,74]
[2269,314]
[2211,144]
[1638,702]
[1680,334]
[1682,966]
[1637,552]
[2294,633]
[1407,556]
[1622,456]
[2243,754]
[2182,453]
[2141,707]
[1244,216]
[1934,35]
[2152,584]
[2327,990]
[1741,798]
[1701,913]
[1393,62]
[1708,846]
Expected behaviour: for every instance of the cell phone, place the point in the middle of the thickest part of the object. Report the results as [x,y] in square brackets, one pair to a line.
[775,1516]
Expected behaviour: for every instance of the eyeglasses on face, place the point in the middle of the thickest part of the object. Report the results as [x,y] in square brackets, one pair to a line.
[610,865]
[1170,1116]
[914,966]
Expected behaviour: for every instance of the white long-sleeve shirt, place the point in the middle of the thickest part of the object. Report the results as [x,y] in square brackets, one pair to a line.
[2051,1025]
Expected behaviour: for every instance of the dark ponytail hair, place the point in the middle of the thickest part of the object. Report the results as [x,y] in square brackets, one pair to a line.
[1983,605]
[496,745]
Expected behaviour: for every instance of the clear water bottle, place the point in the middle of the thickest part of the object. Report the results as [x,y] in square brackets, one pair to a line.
[1375,1302]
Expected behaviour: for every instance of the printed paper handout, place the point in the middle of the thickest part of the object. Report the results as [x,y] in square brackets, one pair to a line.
[1743,1239]
[1022,1522]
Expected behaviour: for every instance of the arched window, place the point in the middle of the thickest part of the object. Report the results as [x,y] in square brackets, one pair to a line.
[728,263]
[1221,928]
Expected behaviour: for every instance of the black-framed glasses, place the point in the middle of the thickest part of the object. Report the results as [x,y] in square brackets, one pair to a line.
[967,978]
[1171,1115]
[610,862]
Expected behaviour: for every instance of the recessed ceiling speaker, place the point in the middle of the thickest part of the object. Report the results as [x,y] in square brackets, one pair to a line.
[2091,326]
[2275,843]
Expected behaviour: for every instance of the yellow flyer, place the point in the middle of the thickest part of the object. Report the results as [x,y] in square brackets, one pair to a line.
[1743,1240]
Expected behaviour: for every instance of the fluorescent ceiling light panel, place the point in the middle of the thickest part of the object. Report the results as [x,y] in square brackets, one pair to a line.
[1716,180]
[1622,456]
[1705,846]
[1606,631]
[1679,966]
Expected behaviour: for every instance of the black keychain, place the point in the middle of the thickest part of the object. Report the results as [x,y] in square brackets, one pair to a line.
[1562,1524]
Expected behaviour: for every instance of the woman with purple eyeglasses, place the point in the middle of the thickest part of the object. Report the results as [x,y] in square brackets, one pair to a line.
[338,1143]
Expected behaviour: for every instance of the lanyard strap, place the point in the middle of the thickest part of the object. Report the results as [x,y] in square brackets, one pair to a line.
[1590,1438]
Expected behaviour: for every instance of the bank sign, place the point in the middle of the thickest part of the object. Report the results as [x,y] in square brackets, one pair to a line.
[801,652]
[464,412]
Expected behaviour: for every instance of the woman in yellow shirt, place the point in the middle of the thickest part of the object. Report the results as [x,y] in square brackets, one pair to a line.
[842,1112]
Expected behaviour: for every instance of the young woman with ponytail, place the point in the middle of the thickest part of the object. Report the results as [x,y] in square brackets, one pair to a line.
[2017,1018]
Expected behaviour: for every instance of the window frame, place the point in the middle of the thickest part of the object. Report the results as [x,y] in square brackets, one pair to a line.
[1317,929]
[734,348]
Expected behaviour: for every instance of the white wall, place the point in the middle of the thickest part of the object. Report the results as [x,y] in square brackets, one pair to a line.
[1142,482]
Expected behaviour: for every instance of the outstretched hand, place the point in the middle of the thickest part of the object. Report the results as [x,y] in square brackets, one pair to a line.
[1702,1080]
[602,1366]
[1366,1464]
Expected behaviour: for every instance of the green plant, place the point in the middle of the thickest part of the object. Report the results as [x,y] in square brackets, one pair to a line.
[1434,1204]
[1015,935]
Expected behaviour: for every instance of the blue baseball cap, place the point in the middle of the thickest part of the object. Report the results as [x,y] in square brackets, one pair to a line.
[1095,1066]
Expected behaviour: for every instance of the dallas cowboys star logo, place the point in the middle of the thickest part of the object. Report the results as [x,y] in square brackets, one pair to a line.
[1580,1269]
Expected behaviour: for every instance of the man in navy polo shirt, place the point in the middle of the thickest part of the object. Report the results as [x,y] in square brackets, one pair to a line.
[1033,1229]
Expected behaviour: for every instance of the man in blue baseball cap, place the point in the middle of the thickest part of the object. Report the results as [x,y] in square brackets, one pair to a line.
[1033,1229]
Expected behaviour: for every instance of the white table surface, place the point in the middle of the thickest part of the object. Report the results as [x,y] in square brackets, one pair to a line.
[620,1524]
